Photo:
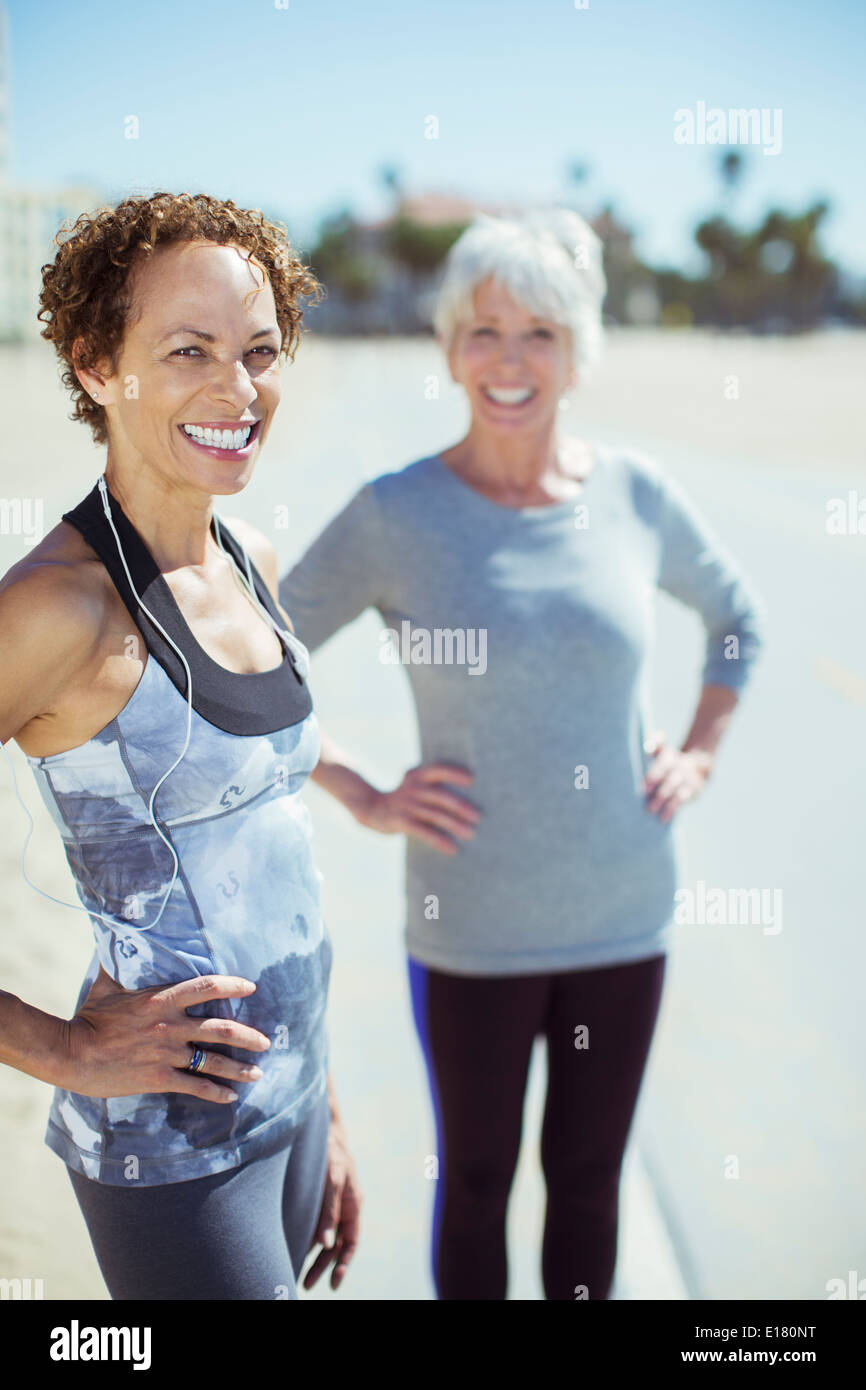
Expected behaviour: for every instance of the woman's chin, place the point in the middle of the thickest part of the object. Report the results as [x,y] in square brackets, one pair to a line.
[510,420]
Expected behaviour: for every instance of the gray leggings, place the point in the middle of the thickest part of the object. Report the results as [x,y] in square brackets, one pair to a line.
[239,1234]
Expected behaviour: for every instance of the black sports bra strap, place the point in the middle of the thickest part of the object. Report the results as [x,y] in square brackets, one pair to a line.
[239,703]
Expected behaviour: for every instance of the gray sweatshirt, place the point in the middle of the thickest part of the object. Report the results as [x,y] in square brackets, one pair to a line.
[526,633]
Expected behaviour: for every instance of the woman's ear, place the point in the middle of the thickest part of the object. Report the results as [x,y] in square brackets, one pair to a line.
[447,350]
[92,380]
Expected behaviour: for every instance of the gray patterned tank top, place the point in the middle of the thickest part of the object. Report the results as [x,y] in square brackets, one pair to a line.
[246,899]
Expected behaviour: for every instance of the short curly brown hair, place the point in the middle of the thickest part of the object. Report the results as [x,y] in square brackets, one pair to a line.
[85,292]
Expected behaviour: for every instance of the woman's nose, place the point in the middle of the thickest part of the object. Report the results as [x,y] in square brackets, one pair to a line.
[511,349]
[235,384]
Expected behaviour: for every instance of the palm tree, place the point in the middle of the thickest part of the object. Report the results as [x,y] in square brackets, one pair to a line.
[391,179]
[731,169]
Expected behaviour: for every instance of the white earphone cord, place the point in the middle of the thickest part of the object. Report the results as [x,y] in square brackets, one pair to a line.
[246,583]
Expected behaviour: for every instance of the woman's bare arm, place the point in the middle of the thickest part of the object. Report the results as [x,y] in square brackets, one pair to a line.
[712,716]
[46,631]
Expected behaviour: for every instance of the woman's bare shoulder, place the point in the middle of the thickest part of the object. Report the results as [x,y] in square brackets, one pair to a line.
[54,603]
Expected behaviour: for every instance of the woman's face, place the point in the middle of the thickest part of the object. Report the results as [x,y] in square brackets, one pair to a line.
[513,365]
[200,353]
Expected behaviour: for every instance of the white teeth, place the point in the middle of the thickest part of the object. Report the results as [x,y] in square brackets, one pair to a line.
[219,439]
[513,396]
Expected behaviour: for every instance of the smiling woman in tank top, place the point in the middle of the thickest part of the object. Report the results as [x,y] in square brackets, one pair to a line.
[154,684]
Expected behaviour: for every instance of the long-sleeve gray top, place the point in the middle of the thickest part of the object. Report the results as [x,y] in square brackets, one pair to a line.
[526,633]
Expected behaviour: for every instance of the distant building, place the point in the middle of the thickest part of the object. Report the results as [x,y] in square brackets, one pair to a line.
[29,221]
[443,209]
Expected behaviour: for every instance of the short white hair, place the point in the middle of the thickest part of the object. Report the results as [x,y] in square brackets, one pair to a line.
[549,261]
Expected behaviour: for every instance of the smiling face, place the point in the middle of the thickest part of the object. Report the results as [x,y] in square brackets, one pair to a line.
[197,379]
[513,365]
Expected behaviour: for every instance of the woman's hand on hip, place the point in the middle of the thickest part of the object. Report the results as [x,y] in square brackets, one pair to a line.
[422,806]
[673,777]
[134,1042]
[339,1218]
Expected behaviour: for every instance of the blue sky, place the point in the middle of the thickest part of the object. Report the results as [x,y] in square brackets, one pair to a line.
[296,109]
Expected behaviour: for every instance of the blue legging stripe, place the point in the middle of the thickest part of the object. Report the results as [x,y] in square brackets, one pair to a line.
[419,984]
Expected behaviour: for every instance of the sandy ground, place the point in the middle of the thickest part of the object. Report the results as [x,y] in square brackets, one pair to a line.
[742,411]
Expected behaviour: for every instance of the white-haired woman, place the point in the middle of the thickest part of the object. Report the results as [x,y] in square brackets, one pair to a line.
[518,567]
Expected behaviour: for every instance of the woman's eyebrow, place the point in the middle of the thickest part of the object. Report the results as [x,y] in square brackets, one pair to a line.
[209,337]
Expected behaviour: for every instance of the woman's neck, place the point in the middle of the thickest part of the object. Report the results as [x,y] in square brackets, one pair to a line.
[173,521]
[518,471]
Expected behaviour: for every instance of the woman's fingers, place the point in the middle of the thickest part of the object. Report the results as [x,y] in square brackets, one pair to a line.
[442,772]
[664,800]
[187,1083]
[340,1256]
[663,783]
[329,1216]
[216,1064]
[424,807]
[225,1030]
[137,1042]
[662,762]
[422,830]
[202,989]
[674,779]
[350,1214]
[317,1268]
[326,1230]
[455,806]
[215,1030]
[345,1252]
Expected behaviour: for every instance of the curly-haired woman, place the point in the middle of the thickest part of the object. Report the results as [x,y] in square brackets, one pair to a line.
[516,570]
[154,684]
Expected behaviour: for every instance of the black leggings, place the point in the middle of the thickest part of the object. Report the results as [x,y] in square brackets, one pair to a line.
[477,1034]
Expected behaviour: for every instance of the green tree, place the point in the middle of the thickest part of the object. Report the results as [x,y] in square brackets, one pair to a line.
[419,247]
[773,273]
[340,261]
